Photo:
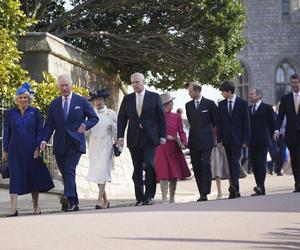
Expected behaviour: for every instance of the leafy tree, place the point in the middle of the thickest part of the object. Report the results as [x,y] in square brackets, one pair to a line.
[13,23]
[173,41]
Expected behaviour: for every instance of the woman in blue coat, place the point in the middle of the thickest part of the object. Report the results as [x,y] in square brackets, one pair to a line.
[21,140]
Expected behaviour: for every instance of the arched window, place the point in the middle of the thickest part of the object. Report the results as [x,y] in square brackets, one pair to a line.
[242,84]
[282,79]
[285,8]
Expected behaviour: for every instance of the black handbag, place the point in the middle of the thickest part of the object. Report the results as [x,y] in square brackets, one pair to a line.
[4,169]
[117,152]
[179,142]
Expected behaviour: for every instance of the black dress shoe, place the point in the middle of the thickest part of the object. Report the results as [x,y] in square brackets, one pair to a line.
[202,198]
[232,192]
[73,208]
[64,201]
[147,202]
[138,203]
[64,208]
[237,194]
[257,191]
[14,214]
[297,190]
[231,196]
[256,194]
[98,207]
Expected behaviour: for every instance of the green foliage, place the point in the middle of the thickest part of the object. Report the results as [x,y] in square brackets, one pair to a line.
[13,23]
[173,41]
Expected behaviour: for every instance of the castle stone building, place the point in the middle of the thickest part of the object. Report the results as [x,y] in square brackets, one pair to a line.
[272,52]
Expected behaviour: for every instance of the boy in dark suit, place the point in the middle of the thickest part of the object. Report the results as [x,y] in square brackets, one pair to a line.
[262,128]
[234,132]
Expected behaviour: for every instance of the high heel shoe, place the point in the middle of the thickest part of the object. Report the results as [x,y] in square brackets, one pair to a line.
[98,207]
[108,204]
[14,214]
[39,212]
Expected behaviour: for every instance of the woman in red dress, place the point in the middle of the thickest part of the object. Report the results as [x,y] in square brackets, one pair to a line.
[169,161]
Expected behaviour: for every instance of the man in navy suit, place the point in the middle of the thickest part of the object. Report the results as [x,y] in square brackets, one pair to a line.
[289,108]
[262,124]
[202,116]
[69,115]
[234,132]
[147,128]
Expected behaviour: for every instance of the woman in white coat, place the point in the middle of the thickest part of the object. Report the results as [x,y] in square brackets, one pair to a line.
[101,139]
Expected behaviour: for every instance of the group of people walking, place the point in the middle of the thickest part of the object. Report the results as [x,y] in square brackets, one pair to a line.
[155,138]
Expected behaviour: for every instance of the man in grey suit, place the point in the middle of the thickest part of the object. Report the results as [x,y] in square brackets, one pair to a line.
[202,116]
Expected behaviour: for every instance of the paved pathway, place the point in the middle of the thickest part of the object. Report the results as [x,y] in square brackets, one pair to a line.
[186,192]
[266,222]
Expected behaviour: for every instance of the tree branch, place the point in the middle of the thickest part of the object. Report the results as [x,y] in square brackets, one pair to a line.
[67,14]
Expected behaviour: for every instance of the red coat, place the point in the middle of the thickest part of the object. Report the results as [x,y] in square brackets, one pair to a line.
[169,161]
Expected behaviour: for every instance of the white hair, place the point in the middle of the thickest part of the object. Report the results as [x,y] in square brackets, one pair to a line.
[140,76]
[65,78]
[30,97]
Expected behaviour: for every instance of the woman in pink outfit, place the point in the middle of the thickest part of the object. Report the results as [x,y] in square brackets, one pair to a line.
[169,161]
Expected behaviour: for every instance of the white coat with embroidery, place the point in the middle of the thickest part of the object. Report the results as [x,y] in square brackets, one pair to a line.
[101,139]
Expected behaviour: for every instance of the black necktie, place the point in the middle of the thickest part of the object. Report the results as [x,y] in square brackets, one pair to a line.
[197,104]
[230,107]
[253,109]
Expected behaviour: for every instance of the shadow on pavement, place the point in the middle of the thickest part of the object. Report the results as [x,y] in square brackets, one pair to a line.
[289,239]
[285,238]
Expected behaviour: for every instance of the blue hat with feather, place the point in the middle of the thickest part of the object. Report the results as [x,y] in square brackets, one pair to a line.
[26,87]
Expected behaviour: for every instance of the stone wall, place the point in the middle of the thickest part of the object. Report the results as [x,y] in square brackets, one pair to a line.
[271,39]
[121,184]
[45,52]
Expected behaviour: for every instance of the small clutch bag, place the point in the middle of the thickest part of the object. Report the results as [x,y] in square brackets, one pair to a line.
[4,169]
[117,152]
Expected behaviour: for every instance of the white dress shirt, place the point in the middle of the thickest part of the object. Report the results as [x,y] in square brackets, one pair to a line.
[197,100]
[232,101]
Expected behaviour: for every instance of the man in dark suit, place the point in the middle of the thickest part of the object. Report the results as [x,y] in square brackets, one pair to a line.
[69,115]
[147,128]
[289,108]
[202,116]
[234,132]
[262,128]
